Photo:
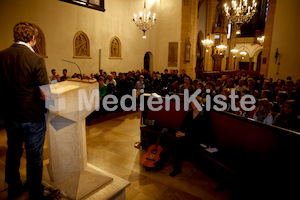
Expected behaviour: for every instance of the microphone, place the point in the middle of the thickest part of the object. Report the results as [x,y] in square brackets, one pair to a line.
[75,64]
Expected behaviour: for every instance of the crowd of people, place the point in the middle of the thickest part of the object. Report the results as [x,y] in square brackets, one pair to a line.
[277,102]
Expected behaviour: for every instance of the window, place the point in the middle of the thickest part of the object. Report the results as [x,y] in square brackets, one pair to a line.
[229,30]
[94,4]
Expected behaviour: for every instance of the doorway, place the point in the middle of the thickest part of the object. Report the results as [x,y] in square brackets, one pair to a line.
[148,61]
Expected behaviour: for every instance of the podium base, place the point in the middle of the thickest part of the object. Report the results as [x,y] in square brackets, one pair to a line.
[89,182]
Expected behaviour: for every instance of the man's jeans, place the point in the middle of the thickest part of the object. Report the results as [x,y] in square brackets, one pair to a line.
[33,135]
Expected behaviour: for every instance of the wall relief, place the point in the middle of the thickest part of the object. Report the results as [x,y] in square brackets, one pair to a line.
[173,54]
[115,48]
[81,45]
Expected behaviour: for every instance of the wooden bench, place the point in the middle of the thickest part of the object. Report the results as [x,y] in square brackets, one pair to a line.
[259,153]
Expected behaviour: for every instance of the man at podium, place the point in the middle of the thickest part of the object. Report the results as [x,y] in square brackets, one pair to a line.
[22,71]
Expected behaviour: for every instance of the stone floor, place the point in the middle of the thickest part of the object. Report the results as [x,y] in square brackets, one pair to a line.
[110,146]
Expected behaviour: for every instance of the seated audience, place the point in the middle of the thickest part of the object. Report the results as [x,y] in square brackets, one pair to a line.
[218,86]
[130,80]
[54,76]
[289,88]
[230,83]
[65,76]
[154,84]
[140,84]
[187,85]
[263,112]
[242,112]
[280,101]
[280,85]
[252,90]
[288,117]
[240,86]
[209,90]
[102,88]
[111,85]
[181,77]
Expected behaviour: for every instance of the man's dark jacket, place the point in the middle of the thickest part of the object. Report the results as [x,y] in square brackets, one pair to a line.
[21,73]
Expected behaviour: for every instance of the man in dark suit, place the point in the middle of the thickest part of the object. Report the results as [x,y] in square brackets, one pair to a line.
[22,71]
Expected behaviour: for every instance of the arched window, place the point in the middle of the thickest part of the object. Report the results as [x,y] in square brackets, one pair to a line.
[115,48]
[40,46]
[81,45]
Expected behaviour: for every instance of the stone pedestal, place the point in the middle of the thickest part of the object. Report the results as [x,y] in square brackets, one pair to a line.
[70,103]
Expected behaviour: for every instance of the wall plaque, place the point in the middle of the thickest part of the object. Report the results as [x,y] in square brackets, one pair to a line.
[173,54]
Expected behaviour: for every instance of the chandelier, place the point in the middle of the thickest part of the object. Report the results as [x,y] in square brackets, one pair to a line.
[234,52]
[243,53]
[144,21]
[221,49]
[261,40]
[240,14]
[207,43]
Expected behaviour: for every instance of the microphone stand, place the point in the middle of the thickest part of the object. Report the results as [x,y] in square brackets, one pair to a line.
[75,64]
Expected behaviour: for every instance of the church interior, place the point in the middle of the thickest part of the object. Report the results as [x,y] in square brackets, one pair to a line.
[205,39]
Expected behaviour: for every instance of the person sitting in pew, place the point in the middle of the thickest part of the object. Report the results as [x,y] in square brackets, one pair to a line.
[263,112]
[194,130]
[242,112]
[288,117]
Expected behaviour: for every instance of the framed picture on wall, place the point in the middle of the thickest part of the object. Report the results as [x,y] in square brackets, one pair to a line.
[94,4]
[173,54]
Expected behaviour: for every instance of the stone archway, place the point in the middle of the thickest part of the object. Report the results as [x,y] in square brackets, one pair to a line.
[148,61]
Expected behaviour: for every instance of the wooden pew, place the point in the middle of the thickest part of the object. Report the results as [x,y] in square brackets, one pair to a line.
[261,154]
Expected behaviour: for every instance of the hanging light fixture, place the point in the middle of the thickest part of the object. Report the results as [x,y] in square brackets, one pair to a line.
[261,40]
[221,47]
[240,14]
[207,43]
[243,53]
[234,52]
[145,21]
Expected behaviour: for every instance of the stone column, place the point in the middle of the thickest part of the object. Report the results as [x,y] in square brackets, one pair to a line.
[268,39]
[250,63]
[210,21]
[189,30]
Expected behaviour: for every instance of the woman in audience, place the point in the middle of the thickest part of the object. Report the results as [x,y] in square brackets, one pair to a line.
[102,88]
[244,75]
[288,117]
[194,130]
[230,83]
[187,85]
[252,90]
[218,86]
[226,92]
[240,86]
[241,111]
[281,98]
[209,90]
[263,112]
[280,85]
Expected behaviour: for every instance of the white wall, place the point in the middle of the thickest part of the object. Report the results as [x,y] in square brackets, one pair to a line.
[286,38]
[60,21]
[168,30]
[201,25]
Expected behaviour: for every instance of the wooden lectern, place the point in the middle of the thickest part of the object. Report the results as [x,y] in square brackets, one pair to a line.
[70,103]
